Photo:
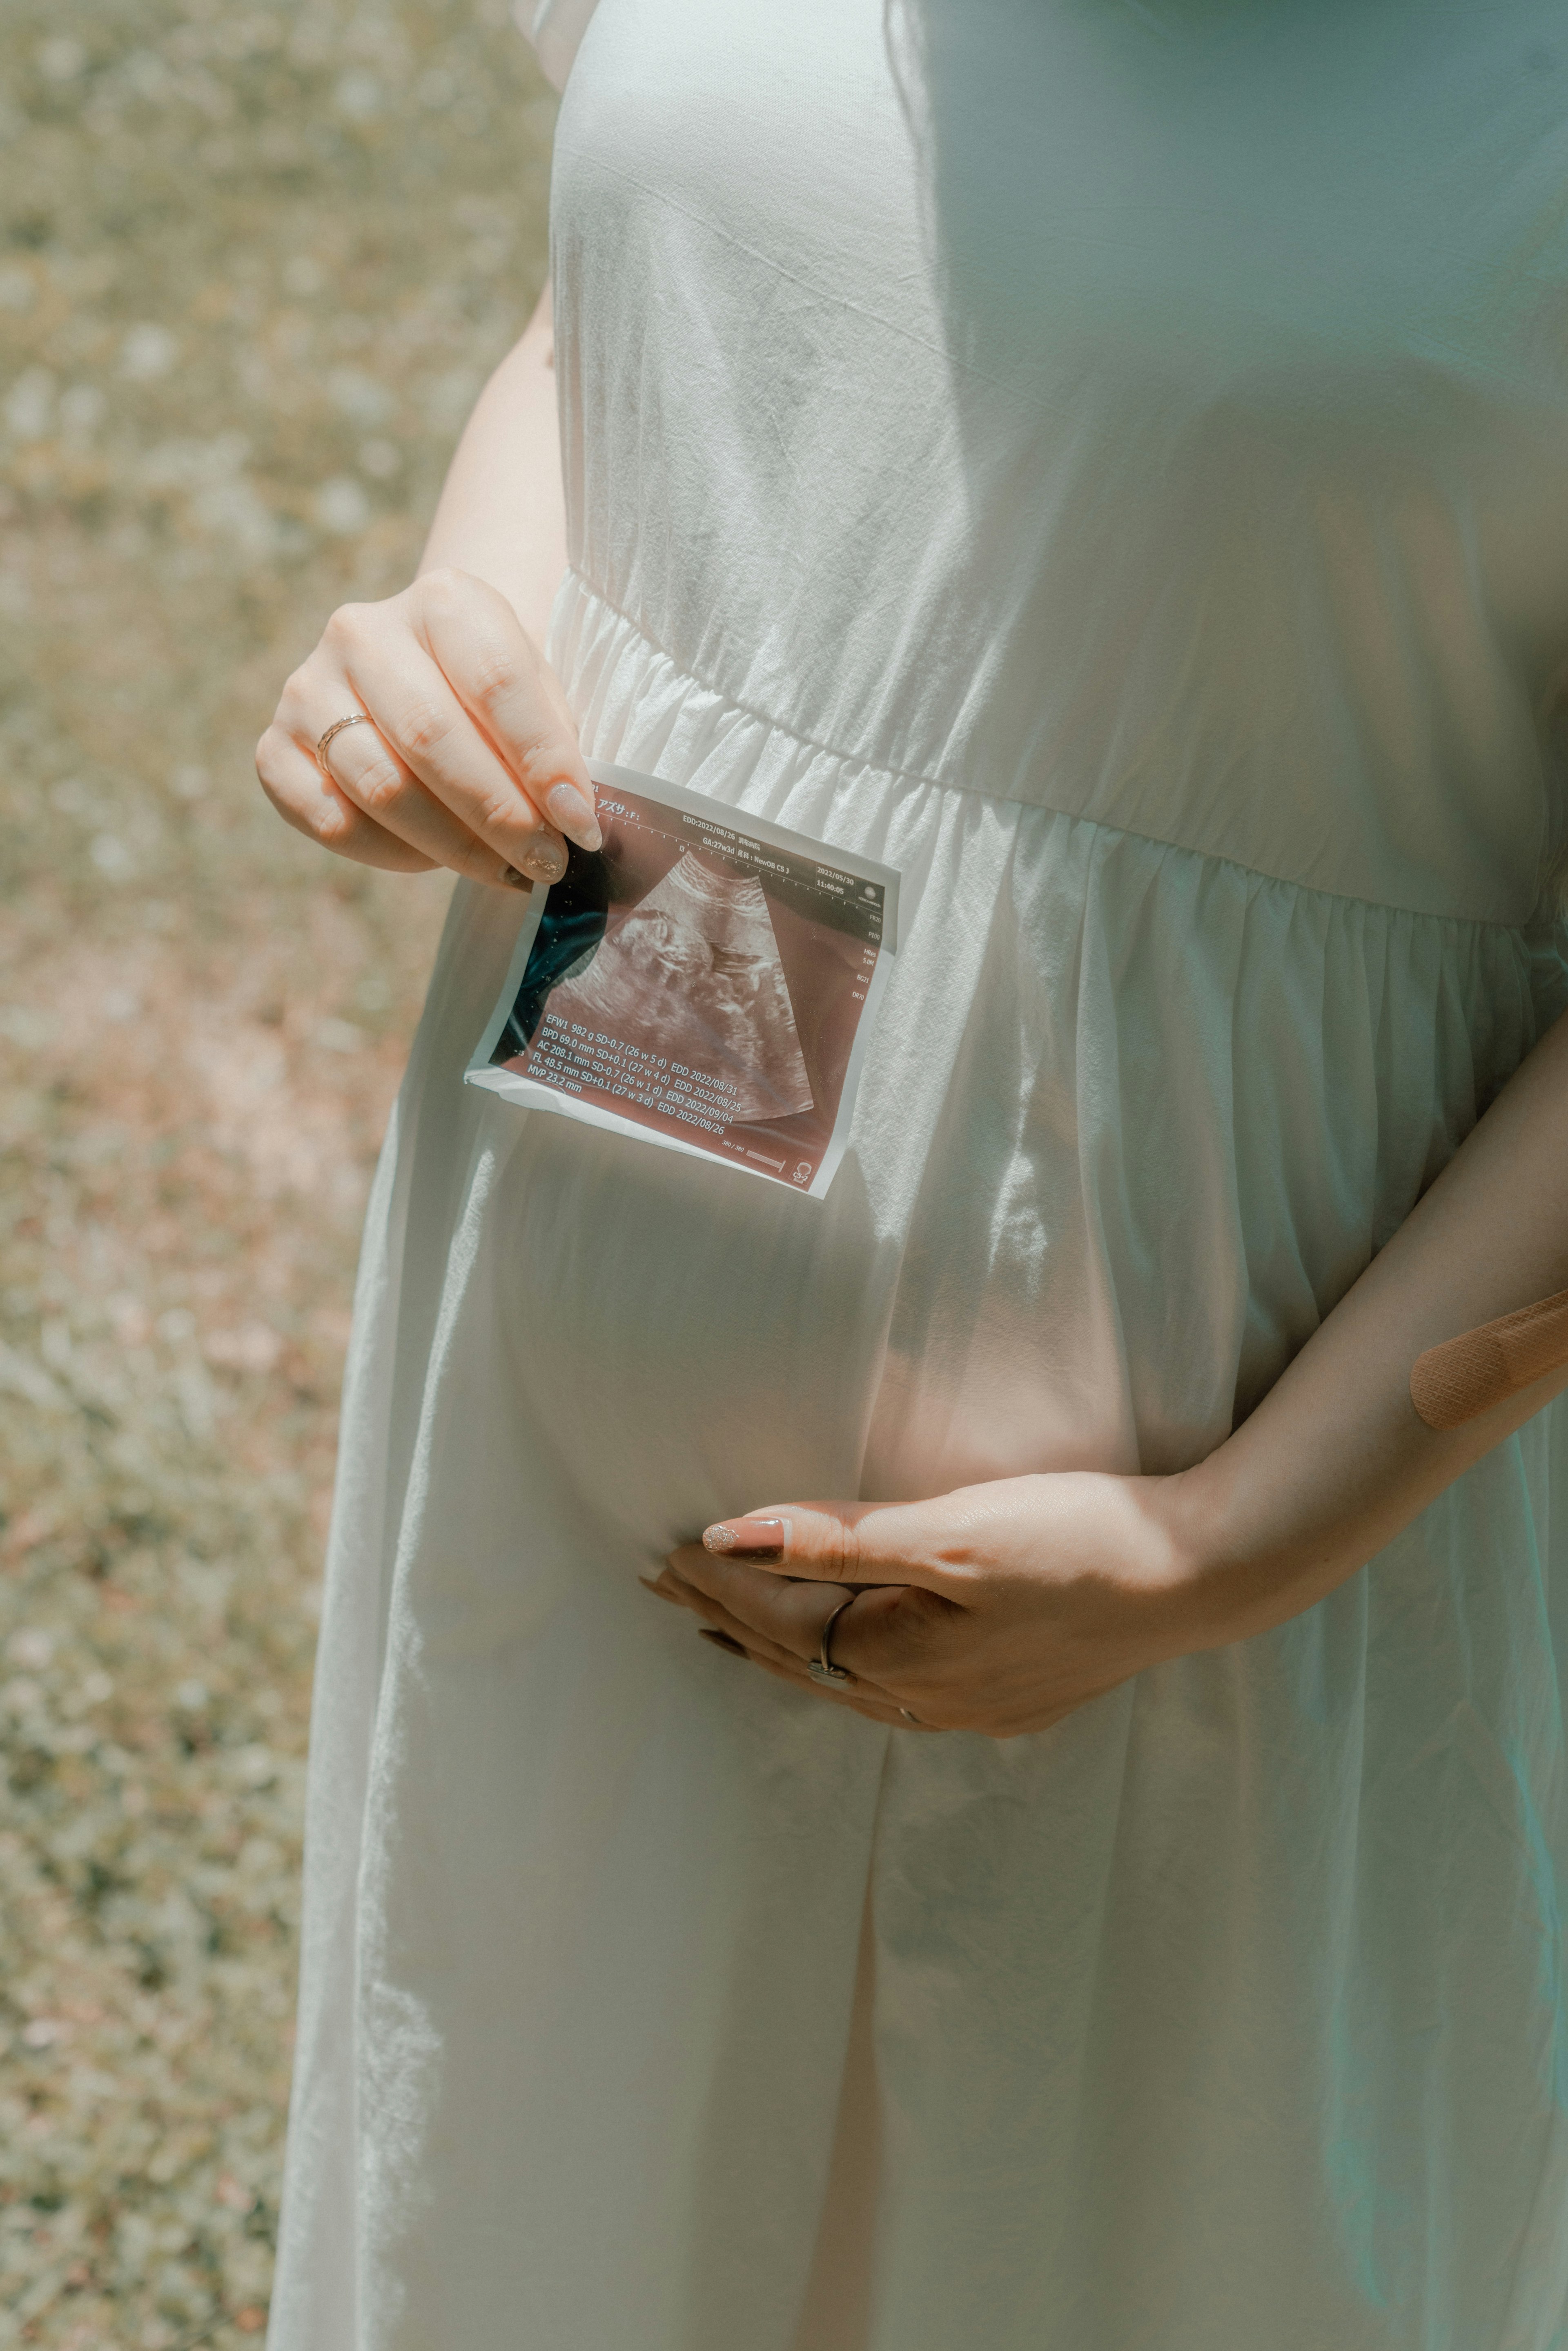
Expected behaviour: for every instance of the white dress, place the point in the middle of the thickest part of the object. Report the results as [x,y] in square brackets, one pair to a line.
[1108,458]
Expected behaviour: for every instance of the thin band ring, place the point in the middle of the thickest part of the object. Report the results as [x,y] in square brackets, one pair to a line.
[822,1667]
[355,718]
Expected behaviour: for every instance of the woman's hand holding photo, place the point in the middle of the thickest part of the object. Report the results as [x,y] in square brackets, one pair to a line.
[451,740]
[469,757]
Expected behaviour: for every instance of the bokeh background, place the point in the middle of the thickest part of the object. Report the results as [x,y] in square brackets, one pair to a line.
[256,263]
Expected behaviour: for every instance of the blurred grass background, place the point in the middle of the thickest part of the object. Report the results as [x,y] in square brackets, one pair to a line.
[256,263]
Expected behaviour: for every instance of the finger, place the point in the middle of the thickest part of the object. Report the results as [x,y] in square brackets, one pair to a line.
[854,1701]
[790,1614]
[314,805]
[433,739]
[490,662]
[840,1543]
[885,1637]
[361,772]
[792,1641]
[738,1637]
[368,771]
[710,1613]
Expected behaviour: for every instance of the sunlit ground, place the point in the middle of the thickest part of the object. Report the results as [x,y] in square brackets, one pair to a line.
[257,263]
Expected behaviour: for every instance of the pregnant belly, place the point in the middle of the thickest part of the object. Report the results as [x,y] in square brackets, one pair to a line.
[681,1340]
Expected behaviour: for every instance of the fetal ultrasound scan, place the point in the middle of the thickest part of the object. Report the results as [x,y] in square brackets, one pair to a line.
[706,981]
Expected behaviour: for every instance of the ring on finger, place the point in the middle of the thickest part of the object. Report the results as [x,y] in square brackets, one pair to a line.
[355,718]
[822,1667]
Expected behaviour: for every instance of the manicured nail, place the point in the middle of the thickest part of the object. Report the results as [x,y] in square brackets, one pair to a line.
[748,1538]
[721,1641]
[545,860]
[514,879]
[574,815]
[657,1590]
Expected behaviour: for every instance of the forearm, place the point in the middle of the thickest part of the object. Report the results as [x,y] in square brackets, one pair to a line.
[1335,1461]
[501,515]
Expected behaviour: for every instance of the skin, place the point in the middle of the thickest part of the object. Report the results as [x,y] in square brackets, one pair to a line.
[1000,1608]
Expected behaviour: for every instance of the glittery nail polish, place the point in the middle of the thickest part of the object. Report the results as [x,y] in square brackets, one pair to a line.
[544,860]
[748,1538]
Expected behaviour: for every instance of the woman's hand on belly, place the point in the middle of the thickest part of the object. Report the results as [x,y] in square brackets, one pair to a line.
[996,1608]
[1002,1607]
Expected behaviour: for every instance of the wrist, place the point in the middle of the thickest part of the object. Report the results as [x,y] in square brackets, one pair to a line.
[1214,1570]
[1247,1559]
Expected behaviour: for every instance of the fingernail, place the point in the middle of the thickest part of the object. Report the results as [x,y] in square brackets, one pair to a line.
[545,860]
[721,1641]
[748,1538]
[574,815]
[514,879]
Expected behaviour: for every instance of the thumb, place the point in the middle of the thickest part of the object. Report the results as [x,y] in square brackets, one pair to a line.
[830,1543]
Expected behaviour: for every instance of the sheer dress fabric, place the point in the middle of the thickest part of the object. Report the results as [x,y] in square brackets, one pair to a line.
[1111,463]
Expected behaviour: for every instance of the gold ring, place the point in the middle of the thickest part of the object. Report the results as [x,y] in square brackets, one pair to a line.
[355,718]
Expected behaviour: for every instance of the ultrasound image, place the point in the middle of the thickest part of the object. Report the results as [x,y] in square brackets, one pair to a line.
[694,973]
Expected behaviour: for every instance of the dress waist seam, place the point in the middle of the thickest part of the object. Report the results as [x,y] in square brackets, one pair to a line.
[1536,926]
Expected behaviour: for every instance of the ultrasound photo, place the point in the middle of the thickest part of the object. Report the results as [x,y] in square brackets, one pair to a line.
[706,981]
[695,968]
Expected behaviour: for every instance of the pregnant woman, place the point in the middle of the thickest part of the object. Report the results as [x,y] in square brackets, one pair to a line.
[1110,462]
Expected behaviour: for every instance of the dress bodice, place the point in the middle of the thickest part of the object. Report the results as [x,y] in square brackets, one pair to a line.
[1157,413]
